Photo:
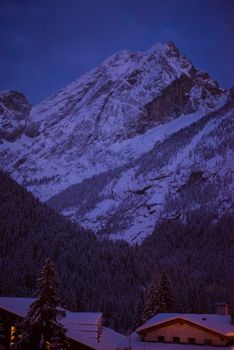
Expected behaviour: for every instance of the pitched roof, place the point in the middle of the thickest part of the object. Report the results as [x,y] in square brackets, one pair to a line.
[18,306]
[217,323]
[81,326]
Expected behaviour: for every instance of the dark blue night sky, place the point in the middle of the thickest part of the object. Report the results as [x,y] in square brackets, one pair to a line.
[45,44]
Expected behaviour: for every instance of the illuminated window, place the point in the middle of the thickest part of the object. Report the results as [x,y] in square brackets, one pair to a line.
[176,340]
[161,339]
[12,337]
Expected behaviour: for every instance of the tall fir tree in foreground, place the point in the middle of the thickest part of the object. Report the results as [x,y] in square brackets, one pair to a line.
[42,323]
[158,297]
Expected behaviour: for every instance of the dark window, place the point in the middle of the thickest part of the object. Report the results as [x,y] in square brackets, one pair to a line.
[208,341]
[176,340]
[161,339]
[192,340]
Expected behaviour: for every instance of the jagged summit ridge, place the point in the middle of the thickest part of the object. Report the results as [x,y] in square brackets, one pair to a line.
[125,81]
[118,89]
[152,108]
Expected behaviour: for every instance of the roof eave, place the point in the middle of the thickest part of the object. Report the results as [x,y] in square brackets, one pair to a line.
[180,319]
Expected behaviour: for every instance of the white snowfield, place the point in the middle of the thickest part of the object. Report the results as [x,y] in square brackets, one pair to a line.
[114,116]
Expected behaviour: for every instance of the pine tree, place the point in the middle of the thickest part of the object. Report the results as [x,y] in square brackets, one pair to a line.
[158,297]
[151,301]
[41,325]
[166,290]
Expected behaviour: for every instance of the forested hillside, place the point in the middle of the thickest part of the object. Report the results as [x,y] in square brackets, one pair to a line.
[110,276]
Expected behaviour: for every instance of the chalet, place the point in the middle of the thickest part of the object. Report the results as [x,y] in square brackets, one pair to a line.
[84,329]
[174,331]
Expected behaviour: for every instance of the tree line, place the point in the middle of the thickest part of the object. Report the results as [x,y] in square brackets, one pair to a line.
[195,256]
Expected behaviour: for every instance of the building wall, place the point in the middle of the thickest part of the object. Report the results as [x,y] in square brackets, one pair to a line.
[5,331]
[7,341]
[184,331]
[77,346]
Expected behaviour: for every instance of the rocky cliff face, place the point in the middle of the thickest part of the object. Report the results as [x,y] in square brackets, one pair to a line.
[183,96]
[14,113]
[121,147]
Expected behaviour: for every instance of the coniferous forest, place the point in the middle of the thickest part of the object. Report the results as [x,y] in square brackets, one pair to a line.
[196,256]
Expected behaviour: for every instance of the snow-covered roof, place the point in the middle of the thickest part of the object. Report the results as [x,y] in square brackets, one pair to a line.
[81,326]
[83,318]
[86,333]
[136,344]
[217,323]
[18,306]
[108,341]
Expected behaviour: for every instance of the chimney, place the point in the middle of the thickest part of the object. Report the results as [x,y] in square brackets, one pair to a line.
[221,309]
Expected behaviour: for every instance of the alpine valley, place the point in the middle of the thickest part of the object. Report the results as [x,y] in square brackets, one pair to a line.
[142,138]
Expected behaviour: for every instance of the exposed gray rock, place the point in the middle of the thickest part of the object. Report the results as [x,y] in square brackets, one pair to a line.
[14,113]
[141,137]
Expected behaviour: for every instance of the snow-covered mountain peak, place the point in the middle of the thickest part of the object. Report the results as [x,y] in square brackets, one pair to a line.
[112,148]
[163,48]
[120,58]
[119,88]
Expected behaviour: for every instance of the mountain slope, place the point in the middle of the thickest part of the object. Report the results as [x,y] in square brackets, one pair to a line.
[101,275]
[192,168]
[118,148]
[93,273]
